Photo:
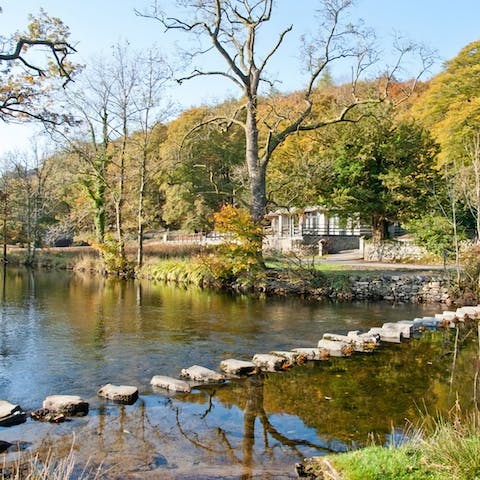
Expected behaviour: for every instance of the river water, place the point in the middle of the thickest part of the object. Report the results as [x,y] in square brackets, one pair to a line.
[69,334]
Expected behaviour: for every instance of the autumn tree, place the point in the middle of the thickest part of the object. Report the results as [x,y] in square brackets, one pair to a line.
[32,63]
[201,169]
[233,30]
[450,107]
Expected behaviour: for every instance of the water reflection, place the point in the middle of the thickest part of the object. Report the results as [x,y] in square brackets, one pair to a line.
[70,334]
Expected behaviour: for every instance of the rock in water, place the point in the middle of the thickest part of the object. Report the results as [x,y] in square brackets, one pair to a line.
[202,374]
[11,414]
[119,393]
[232,366]
[169,383]
[271,363]
[71,405]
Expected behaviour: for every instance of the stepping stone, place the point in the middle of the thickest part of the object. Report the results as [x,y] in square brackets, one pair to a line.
[468,312]
[71,405]
[232,366]
[312,353]
[202,374]
[428,323]
[336,349]
[388,335]
[293,357]
[171,384]
[359,343]
[271,363]
[405,329]
[11,414]
[119,393]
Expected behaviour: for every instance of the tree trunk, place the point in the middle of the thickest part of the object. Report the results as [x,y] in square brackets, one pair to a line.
[141,195]
[379,228]
[256,169]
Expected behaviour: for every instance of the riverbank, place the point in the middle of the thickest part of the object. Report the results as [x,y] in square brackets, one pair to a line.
[341,277]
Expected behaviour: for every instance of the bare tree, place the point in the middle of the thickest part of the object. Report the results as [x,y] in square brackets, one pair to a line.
[233,30]
[151,108]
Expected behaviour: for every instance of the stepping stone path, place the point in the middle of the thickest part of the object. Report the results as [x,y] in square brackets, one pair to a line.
[56,408]
[119,393]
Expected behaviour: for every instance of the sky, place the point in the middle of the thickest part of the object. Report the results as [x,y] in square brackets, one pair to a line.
[443,25]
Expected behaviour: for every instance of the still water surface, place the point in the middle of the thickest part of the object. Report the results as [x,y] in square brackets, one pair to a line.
[69,334]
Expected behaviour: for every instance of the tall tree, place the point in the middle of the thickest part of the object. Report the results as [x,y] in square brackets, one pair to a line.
[382,172]
[233,30]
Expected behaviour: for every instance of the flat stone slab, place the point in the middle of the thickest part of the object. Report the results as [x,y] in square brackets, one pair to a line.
[71,405]
[312,353]
[232,366]
[336,348]
[271,363]
[405,329]
[201,374]
[388,335]
[119,393]
[293,357]
[359,343]
[11,414]
[171,384]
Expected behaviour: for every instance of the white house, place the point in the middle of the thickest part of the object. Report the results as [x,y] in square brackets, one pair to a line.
[293,228]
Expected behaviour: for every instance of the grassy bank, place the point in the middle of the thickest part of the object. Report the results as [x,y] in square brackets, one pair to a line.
[446,451]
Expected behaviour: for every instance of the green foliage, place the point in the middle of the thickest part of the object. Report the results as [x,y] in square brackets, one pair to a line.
[383,171]
[435,233]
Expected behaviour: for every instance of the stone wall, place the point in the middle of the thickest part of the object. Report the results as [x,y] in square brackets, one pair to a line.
[333,243]
[392,251]
[406,288]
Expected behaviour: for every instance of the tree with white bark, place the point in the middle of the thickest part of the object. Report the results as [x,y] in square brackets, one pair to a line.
[233,30]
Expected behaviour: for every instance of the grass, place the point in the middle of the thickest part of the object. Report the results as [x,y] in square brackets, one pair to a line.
[440,449]
[29,466]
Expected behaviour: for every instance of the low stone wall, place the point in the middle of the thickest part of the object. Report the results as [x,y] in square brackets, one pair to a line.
[405,288]
[392,251]
[333,243]
[330,243]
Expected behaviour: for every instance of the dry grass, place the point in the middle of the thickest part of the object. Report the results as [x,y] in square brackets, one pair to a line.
[30,466]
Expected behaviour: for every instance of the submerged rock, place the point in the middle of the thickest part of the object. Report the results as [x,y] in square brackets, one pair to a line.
[45,415]
[11,414]
[71,405]
[169,383]
[201,374]
[119,393]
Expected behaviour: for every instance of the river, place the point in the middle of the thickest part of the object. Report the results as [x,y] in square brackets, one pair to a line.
[62,333]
